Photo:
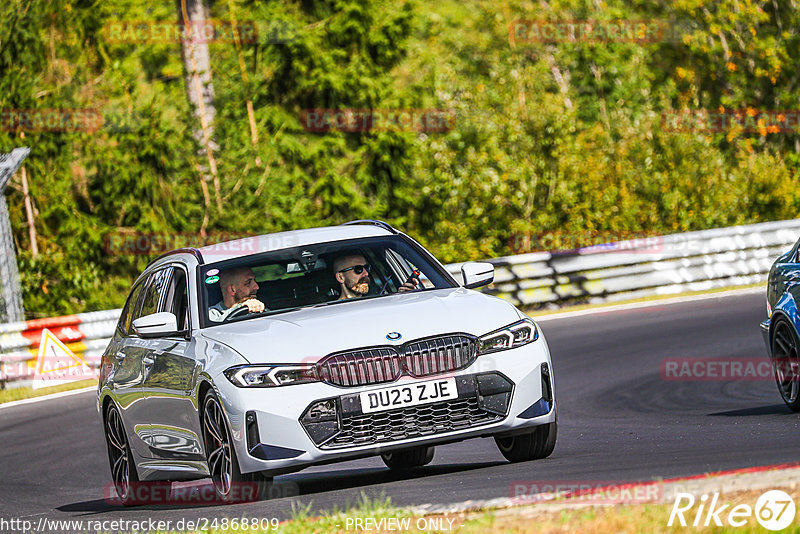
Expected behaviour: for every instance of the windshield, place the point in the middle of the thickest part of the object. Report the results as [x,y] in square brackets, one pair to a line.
[315,275]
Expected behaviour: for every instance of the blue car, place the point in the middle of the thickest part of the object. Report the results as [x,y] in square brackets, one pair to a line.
[783,323]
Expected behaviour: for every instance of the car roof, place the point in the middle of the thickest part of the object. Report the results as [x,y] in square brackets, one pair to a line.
[295,238]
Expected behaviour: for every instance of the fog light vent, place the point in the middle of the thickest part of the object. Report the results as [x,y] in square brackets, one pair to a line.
[547,387]
[321,420]
[251,431]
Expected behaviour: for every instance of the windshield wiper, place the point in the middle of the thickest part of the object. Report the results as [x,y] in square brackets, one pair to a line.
[337,301]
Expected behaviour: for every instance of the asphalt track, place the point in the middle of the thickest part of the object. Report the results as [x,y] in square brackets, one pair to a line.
[619,420]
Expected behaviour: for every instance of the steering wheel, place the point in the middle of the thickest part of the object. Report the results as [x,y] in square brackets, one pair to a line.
[415,275]
[239,309]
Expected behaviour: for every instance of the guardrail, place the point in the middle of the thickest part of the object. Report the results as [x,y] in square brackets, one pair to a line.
[661,265]
[85,334]
[636,268]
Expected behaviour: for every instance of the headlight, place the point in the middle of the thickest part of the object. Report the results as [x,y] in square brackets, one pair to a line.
[510,337]
[268,376]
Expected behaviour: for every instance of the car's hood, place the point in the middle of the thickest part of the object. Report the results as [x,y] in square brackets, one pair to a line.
[308,334]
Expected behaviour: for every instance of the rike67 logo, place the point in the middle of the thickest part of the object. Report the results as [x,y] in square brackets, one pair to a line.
[774,510]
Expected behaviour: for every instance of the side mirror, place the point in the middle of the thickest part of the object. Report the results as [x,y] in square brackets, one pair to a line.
[477,274]
[156,324]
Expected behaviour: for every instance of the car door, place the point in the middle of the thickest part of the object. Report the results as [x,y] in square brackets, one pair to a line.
[138,354]
[127,381]
[170,373]
[790,276]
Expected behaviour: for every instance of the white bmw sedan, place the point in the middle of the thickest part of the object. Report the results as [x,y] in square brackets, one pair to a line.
[265,355]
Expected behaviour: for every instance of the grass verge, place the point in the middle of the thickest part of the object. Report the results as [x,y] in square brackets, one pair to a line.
[378,515]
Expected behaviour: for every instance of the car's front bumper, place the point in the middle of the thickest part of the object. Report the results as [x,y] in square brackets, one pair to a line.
[285,445]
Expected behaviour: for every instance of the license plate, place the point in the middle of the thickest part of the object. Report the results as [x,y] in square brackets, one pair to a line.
[411,394]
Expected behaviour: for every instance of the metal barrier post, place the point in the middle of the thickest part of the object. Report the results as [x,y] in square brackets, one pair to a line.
[10,290]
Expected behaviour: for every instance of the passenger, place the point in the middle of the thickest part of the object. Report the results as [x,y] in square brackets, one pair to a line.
[352,273]
[239,289]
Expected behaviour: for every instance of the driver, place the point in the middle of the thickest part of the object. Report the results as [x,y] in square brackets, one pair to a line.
[352,273]
[239,289]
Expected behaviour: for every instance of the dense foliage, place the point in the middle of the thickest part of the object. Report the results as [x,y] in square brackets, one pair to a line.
[546,138]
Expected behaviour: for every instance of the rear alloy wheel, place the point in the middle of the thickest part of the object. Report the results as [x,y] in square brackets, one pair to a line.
[786,363]
[123,470]
[408,458]
[531,446]
[230,484]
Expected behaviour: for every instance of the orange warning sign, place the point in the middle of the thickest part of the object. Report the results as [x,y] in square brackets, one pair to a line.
[56,364]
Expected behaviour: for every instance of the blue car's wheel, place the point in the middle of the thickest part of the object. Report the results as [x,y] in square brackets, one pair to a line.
[786,363]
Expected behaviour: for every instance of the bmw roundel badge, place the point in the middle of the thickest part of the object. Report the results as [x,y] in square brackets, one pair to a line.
[394,336]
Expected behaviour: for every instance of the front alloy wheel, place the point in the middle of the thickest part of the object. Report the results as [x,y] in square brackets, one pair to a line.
[123,470]
[408,458]
[786,363]
[230,484]
[531,446]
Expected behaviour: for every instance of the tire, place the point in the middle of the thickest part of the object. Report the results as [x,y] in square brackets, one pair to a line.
[531,446]
[786,363]
[408,458]
[230,484]
[120,459]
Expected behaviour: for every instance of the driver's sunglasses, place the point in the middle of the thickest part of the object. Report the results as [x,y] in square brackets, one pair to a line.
[358,269]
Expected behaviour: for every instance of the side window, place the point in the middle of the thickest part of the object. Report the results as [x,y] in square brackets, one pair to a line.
[155,290]
[177,300]
[126,317]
